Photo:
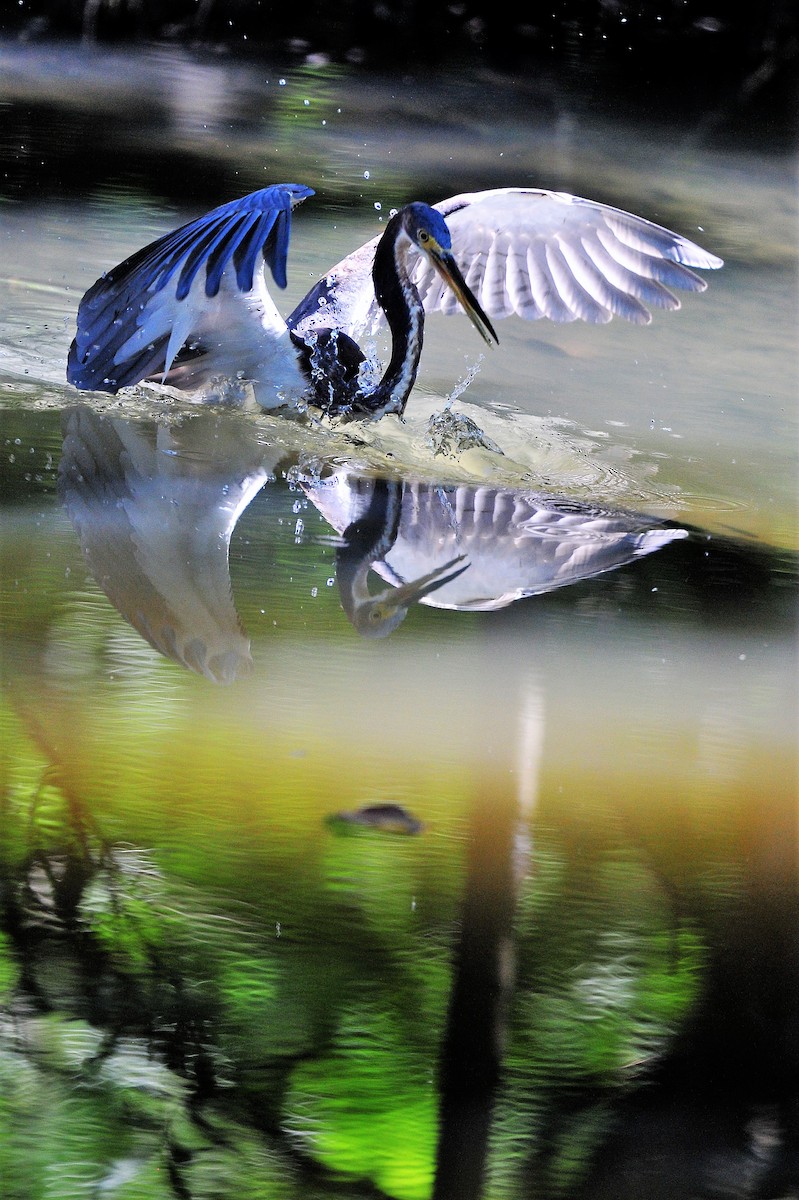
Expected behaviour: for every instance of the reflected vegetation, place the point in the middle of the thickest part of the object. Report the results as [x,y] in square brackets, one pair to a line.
[601,1014]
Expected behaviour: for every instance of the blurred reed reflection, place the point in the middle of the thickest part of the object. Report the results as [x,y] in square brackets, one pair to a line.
[155,505]
[585,1016]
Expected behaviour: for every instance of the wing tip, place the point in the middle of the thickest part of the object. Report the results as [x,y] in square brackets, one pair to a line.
[694,256]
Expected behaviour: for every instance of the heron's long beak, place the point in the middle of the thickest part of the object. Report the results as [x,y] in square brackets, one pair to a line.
[411,593]
[450,272]
[387,609]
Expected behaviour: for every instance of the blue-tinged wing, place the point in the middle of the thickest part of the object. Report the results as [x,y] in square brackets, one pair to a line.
[195,287]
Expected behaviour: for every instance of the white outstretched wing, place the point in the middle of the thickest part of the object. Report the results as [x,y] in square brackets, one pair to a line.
[548,254]
[531,252]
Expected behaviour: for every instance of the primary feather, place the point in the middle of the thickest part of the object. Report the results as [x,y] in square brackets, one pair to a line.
[132,324]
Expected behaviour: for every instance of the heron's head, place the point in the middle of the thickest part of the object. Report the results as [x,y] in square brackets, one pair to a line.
[376,615]
[428,231]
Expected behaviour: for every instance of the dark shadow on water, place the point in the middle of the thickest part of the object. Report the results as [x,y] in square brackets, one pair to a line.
[737,50]
[190,124]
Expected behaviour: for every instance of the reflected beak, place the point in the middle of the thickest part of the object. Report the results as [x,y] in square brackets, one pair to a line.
[386,610]
[450,272]
[417,589]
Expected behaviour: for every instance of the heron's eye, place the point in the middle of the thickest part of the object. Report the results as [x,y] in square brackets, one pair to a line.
[424,236]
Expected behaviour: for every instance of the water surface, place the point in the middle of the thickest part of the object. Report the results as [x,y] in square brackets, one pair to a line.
[499,900]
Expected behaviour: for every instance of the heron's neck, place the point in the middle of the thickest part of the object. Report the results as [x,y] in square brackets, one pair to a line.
[368,539]
[331,361]
[397,296]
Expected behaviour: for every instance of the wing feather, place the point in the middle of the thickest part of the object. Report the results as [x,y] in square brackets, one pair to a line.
[543,285]
[520,290]
[628,282]
[671,273]
[135,319]
[531,252]
[611,299]
[584,259]
[569,288]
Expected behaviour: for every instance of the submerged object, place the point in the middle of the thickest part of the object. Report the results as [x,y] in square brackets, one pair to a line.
[192,309]
[385,818]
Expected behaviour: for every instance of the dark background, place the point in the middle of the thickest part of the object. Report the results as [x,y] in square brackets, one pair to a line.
[743,55]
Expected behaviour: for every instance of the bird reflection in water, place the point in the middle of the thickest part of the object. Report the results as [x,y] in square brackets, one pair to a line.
[155,506]
[155,510]
[467,547]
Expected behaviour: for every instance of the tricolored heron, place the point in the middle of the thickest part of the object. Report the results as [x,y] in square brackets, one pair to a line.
[190,309]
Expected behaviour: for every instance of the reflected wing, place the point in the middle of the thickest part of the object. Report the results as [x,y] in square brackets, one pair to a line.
[178,291]
[155,515]
[517,543]
[530,252]
[484,547]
